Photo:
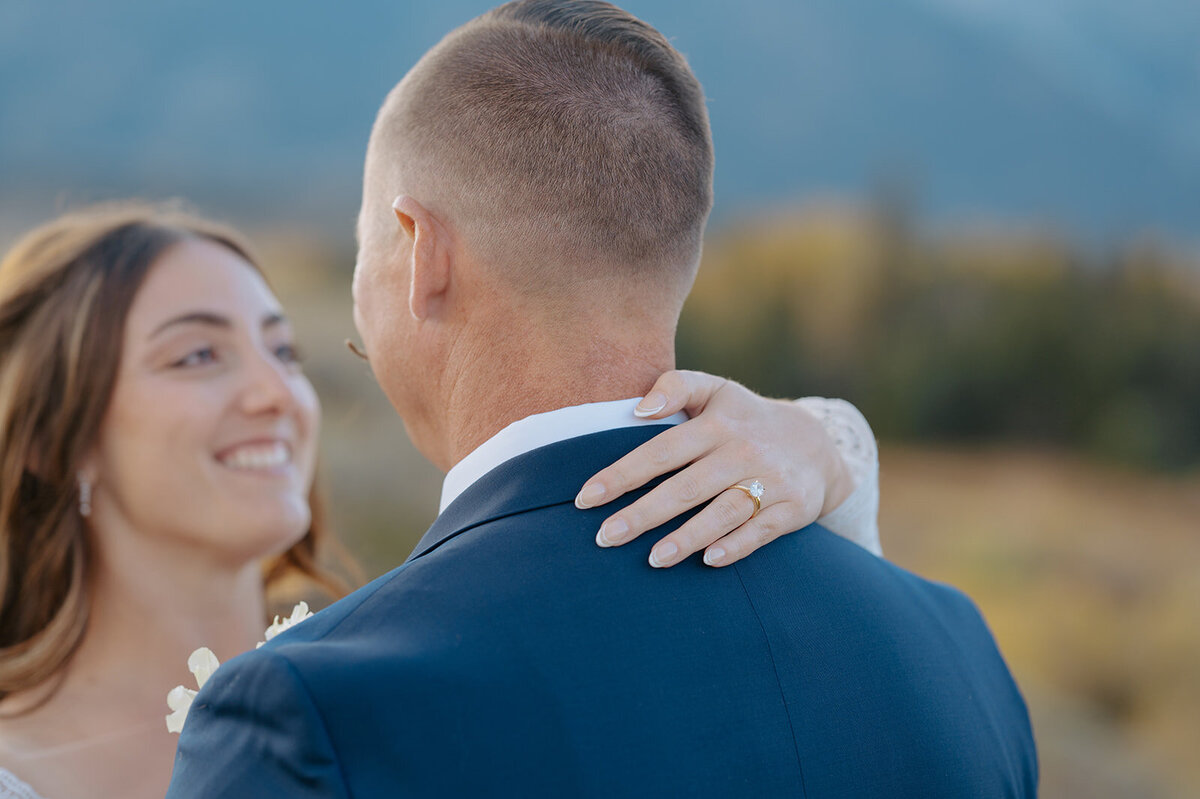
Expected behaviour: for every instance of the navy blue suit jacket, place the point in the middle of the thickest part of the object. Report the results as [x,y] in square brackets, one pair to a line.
[511,656]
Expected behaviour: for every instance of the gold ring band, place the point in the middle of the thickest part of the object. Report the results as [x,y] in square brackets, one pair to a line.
[755,491]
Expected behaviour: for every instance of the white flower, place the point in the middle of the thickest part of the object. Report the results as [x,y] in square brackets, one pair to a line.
[180,701]
[201,663]
[299,614]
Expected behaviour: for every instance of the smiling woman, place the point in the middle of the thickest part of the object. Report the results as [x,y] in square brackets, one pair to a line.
[157,446]
[210,437]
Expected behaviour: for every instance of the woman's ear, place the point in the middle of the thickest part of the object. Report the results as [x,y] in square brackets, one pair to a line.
[431,256]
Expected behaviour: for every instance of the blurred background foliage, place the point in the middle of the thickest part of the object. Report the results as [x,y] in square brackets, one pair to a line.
[962,337]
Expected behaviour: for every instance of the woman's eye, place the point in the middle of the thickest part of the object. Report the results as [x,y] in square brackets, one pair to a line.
[197,357]
[289,353]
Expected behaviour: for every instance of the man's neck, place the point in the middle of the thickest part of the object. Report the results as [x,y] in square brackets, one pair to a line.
[521,376]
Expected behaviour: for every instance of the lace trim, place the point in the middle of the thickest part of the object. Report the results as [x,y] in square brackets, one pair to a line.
[13,788]
[857,518]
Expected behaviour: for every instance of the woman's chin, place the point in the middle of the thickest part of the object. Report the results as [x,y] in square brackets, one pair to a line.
[273,534]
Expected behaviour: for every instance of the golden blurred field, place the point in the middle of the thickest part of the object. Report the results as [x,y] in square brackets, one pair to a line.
[1089,577]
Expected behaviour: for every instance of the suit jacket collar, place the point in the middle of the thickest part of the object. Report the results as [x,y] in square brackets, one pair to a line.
[546,476]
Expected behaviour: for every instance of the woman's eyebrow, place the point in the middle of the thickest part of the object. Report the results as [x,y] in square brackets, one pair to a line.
[194,317]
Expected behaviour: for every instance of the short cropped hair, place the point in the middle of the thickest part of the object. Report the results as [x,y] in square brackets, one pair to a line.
[559,131]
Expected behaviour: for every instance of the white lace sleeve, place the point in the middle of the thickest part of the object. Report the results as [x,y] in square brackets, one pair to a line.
[13,788]
[857,518]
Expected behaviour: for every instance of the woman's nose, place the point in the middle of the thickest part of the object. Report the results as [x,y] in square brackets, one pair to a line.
[267,388]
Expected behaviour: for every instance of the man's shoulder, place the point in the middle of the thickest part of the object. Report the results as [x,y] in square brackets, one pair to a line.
[400,617]
[463,603]
[837,576]
[259,696]
[372,650]
[488,574]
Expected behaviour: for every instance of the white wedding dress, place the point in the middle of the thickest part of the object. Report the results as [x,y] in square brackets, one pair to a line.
[13,788]
[855,519]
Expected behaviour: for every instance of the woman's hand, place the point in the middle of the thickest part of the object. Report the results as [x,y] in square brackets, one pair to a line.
[733,438]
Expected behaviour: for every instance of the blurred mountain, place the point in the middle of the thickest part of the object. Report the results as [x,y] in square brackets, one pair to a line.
[1080,115]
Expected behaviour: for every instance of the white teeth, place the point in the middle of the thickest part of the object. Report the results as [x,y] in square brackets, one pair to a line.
[258,456]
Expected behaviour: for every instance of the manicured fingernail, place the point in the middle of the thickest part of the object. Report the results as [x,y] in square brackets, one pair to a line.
[650,404]
[611,532]
[589,496]
[714,555]
[662,554]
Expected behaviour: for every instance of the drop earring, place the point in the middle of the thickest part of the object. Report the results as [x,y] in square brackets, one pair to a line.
[85,496]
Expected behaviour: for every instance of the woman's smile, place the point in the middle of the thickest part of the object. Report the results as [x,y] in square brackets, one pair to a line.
[272,457]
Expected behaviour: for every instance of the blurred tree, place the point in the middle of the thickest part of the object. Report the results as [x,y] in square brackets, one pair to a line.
[982,338]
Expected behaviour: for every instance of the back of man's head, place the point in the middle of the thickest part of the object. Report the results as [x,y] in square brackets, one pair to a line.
[564,140]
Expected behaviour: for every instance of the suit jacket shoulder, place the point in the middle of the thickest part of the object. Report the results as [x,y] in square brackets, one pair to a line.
[254,730]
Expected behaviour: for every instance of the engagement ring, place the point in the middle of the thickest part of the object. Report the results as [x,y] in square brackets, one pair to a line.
[755,491]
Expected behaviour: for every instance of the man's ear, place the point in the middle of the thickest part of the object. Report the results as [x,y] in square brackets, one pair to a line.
[431,256]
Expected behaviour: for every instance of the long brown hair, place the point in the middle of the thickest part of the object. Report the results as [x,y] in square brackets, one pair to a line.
[65,290]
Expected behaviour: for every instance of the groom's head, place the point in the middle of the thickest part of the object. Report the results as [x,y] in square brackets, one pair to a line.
[545,170]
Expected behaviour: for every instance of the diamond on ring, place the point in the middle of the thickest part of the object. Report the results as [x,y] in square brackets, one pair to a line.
[755,491]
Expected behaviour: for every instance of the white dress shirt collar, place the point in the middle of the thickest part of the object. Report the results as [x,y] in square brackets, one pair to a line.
[540,430]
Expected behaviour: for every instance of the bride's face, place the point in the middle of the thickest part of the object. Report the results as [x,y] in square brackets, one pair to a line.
[209,440]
